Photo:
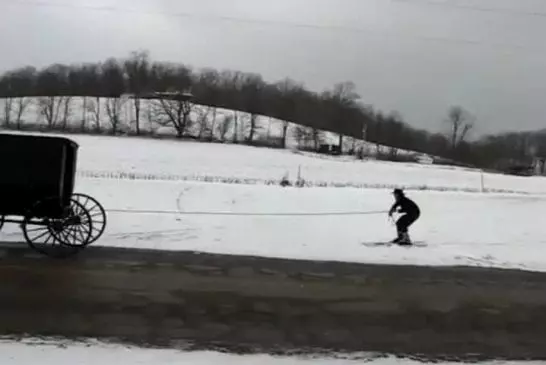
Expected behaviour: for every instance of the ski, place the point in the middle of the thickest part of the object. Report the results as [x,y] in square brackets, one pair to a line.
[390,244]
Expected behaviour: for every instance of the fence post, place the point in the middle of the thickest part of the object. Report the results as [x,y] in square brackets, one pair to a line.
[299,182]
[482,182]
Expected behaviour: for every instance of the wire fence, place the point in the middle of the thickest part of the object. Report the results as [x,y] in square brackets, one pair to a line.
[306,183]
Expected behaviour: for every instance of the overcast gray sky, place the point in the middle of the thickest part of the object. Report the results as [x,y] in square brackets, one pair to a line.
[417,57]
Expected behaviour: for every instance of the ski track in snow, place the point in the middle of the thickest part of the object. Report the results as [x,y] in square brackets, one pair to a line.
[459,229]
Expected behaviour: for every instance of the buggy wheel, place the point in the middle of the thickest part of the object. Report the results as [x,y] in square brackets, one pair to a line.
[96,212]
[57,237]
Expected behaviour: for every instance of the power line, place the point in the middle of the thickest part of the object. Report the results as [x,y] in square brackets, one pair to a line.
[281,23]
[446,4]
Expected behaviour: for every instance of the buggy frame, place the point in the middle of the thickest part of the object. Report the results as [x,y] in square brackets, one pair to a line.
[37,192]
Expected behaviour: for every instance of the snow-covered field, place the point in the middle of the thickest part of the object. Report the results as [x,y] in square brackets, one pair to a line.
[174,160]
[459,228]
[32,352]
[317,223]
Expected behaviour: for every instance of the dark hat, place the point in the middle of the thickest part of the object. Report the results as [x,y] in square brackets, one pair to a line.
[398,191]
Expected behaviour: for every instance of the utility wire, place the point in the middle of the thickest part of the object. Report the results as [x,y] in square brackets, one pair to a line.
[444,4]
[464,7]
[269,22]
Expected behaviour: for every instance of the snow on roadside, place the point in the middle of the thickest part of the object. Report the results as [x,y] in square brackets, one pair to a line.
[49,352]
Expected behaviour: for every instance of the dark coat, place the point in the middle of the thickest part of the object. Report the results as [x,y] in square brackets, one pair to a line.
[405,205]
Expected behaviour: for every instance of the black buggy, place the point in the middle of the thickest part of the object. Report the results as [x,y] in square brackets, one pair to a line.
[37,178]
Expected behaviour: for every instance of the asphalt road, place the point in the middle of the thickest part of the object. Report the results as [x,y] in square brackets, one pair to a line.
[245,304]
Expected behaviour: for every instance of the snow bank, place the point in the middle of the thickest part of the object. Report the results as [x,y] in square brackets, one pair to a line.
[32,352]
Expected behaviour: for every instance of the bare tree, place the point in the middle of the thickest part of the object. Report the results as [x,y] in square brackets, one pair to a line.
[206,87]
[460,124]
[251,91]
[342,112]
[284,136]
[51,84]
[85,109]
[91,84]
[396,130]
[241,92]
[236,126]
[224,126]
[151,117]
[49,109]
[249,126]
[285,105]
[113,85]
[317,136]
[301,135]
[114,108]
[21,107]
[76,87]
[7,111]
[170,77]
[94,107]
[138,70]
[174,113]
[203,121]
[308,135]
[228,85]
[214,121]
[66,102]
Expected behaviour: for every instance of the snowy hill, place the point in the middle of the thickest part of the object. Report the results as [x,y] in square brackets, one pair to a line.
[156,118]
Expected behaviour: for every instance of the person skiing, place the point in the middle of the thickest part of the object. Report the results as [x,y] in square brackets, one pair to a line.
[411,213]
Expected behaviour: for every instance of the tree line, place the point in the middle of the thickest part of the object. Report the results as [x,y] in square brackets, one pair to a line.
[338,109]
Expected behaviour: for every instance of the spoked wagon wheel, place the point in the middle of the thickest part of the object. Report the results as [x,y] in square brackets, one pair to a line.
[62,236]
[97,213]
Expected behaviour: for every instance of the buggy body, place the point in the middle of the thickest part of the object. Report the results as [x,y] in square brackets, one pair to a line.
[36,168]
[37,183]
